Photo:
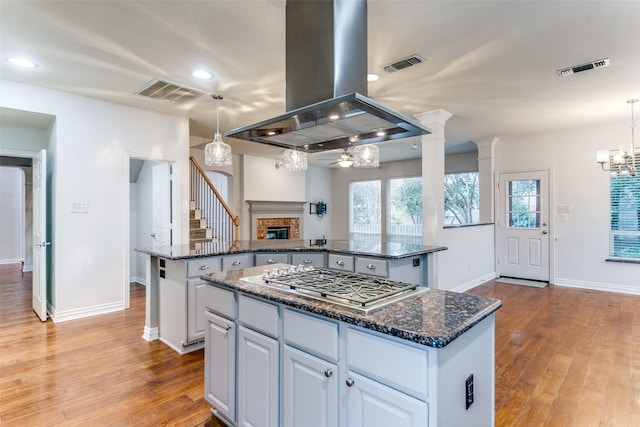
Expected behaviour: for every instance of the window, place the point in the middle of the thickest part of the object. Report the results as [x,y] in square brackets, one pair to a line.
[461,198]
[524,203]
[366,210]
[405,210]
[624,234]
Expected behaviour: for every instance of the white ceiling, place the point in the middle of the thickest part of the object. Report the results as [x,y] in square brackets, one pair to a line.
[492,64]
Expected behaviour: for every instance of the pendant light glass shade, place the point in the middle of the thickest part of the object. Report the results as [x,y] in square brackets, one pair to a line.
[366,156]
[217,153]
[295,160]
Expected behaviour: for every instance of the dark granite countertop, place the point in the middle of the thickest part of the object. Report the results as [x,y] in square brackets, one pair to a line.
[351,247]
[433,319]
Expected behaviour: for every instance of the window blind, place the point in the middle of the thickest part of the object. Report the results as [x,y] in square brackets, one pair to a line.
[624,234]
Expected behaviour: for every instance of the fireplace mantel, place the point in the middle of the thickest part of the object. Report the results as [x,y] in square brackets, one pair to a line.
[264,209]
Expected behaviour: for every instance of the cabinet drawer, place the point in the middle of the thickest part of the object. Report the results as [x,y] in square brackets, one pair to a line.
[221,301]
[316,260]
[258,315]
[389,362]
[272,258]
[202,266]
[316,336]
[235,262]
[375,267]
[340,262]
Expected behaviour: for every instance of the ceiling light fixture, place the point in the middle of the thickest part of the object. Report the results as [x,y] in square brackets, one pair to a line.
[371,77]
[295,160]
[217,153]
[622,161]
[22,62]
[202,74]
[366,156]
[345,159]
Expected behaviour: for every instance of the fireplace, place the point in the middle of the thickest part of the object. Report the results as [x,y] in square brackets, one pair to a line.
[276,220]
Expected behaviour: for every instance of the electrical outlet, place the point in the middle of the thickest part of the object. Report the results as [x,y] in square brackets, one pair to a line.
[416,262]
[468,391]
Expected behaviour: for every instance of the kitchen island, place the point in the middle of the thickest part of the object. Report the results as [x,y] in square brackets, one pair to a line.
[175,297]
[277,358]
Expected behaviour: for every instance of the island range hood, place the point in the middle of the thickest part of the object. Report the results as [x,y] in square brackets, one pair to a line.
[326,84]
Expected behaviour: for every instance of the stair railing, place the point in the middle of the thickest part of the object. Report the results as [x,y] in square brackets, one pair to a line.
[219,217]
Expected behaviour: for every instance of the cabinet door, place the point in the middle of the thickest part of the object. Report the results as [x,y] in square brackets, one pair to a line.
[220,365]
[272,258]
[307,259]
[371,404]
[258,373]
[235,262]
[309,390]
[199,293]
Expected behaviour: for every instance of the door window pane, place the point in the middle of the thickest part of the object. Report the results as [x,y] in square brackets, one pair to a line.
[405,210]
[524,203]
[366,210]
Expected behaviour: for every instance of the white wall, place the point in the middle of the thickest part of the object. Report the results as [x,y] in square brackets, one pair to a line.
[462,162]
[12,215]
[88,156]
[580,244]
[318,187]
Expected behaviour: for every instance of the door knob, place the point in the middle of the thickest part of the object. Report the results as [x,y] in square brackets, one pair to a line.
[545,232]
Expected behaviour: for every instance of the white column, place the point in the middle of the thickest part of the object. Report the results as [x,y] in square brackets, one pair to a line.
[433,186]
[433,175]
[486,169]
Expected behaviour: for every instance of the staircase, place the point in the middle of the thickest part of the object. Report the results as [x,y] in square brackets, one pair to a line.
[199,231]
[210,219]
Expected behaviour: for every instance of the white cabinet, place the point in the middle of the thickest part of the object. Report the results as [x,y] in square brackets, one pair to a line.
[340,262]
[308,259]
[372,404]
[272,258]
[220,366]
[309,390]
[258,379]
[236,262]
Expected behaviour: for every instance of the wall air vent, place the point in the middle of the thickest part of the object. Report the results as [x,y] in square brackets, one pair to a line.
[167,91]
[583,67]
[404,63]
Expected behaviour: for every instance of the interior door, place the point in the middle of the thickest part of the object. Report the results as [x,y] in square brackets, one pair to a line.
[40,244]
[161,215]
[523,225]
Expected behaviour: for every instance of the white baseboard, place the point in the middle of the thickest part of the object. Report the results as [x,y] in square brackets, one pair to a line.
[141,280]
[150,334]
[607,287]
[11,261]
[474,282]
[27,268]
[63,316]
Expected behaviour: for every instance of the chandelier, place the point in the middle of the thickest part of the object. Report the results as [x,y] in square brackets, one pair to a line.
[295,160]
[624,160]
[217,153]
[366,156]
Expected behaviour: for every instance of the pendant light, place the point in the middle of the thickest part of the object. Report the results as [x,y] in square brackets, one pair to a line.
[217,153]
[295,160]
[366,156]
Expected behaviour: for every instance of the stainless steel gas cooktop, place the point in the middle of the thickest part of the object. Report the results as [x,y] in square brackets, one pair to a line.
[361,292]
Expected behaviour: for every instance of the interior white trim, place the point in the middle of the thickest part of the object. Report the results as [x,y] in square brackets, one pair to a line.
[63,316]
[605,287]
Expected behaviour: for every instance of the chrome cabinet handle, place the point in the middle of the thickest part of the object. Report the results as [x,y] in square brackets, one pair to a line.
[371,267]
[236,263]
[328,373]
[269,261]
[340,263]
[349,382]
[204,267]
[307,261]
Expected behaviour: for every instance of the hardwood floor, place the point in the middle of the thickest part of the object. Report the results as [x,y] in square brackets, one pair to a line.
[564,357]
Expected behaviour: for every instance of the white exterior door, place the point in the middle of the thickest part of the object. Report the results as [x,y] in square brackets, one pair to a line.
[161,215]
[40,244]
[523,225]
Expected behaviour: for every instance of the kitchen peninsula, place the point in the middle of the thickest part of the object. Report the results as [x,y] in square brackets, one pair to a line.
[176,297]
[275,357]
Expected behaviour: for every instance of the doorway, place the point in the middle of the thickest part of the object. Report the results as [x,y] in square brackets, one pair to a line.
[523,227]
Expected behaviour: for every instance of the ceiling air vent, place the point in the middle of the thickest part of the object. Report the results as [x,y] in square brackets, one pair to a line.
[404,63]
[583,67]
[167,91]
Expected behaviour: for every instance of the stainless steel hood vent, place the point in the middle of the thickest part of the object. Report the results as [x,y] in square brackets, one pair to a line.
[326,84]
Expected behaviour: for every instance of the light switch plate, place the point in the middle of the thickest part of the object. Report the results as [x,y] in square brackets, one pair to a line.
[79,207]
[563,209]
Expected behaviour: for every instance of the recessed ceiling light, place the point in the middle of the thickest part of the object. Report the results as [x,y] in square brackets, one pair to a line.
[201,74]
[372,77]
[22,62]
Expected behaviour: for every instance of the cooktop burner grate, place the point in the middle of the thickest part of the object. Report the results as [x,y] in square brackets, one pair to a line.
[358,289]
